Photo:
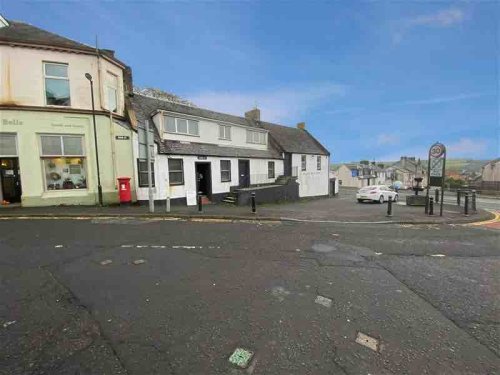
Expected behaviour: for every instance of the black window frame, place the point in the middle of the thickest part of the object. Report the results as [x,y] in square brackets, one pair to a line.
[225,170]
[142,175]
[271,169]
[170,171]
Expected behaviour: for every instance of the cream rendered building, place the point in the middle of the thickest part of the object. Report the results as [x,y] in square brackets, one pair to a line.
[47,149]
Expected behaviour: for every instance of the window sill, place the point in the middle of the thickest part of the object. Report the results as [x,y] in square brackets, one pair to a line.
[189,135]
[66,192]
[176,184]
[224,139]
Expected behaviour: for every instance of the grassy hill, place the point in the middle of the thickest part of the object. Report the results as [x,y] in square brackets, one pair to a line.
[452,165]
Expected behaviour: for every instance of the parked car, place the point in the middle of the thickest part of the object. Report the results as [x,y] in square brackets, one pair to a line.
[376,193]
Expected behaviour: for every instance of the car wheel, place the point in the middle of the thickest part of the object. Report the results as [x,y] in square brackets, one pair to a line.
[381,199]
[360,200]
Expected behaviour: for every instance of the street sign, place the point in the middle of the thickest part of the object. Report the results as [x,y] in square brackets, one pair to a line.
[436,171]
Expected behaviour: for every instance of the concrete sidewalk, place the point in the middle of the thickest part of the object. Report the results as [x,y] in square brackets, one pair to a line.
[342,209]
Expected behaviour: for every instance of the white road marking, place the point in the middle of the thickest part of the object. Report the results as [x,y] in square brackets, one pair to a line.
[6,324]
[368,341]
[327,302]
[438,255]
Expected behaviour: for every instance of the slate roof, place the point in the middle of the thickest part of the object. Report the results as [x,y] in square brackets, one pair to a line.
[294,140]
[288,139]
[207,149]
[144,106]
[20,32]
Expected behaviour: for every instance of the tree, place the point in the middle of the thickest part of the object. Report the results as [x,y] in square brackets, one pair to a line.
[364,162]
[162,95]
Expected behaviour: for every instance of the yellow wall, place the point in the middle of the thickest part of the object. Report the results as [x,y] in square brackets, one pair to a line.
[115,156]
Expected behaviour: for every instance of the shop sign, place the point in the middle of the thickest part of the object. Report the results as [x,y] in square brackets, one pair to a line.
[11,122]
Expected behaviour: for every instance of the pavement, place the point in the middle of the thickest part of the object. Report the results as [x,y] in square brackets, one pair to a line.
[121,295]
[342,208]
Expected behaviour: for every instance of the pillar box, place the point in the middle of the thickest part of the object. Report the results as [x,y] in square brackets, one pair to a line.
[124,190]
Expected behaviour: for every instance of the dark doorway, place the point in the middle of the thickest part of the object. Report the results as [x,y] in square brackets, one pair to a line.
[288,164]
[244,173]
[10,180]
[204,178]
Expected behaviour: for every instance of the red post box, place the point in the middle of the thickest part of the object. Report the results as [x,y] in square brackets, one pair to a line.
[124,189]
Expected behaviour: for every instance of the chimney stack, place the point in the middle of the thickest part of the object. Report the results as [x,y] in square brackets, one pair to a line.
[301,125]
[254,114]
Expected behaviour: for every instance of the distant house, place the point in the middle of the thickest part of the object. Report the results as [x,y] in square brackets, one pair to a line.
[490,176]
[490,172]
[359,175]
[405,170]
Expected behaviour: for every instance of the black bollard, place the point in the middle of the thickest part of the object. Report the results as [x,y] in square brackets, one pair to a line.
[466,204]
[200,204]
[253,203]
[427,204]
[437,196]
[458,197]
[389,207]
[431,206]
[473,202]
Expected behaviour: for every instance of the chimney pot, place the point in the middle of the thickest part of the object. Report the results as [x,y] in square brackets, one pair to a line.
[254,114]
[301,125]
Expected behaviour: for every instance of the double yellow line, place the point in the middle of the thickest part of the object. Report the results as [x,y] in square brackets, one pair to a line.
[496,219]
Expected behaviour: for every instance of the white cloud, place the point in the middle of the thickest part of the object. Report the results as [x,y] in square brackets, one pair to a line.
[282,104]
[443,18]
[467,147]
[442,99]
[387,139]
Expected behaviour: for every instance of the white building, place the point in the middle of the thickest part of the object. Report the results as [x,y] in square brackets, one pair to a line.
[199,150]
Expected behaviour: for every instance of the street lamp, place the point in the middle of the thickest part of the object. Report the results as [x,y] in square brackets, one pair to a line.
[99,187]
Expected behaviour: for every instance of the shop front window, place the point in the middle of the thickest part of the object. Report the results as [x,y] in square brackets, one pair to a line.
[64,162]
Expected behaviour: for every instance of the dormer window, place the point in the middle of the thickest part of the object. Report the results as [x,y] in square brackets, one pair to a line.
[224,132]
[256,137]
[56,84]
[181,126]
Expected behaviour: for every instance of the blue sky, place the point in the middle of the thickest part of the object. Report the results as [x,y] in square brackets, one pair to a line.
[372,80]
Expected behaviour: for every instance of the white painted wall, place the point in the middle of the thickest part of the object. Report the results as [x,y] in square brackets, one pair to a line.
[209,132]
[257,168]
[22,77]
[311,181]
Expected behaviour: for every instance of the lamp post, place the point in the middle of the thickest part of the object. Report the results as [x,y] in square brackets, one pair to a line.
[99,187]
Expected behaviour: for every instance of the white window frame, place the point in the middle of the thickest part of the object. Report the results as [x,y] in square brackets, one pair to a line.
[176,171]
[114,87]
[318,163]
[225,170]
[226,131]
[303,163]
[62,155]
[45,77]
[15,145]
[261,137]
[176,126]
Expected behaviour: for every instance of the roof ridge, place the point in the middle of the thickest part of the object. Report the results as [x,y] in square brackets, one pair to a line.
[13,22]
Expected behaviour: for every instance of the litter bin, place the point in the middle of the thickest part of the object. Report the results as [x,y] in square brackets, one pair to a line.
[124,190]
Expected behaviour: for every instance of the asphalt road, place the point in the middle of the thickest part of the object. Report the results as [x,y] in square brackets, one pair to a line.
[74,302]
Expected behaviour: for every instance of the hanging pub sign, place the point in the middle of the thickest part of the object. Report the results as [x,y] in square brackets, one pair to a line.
[436,172]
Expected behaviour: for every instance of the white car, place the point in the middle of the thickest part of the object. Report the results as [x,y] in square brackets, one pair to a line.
[376,193]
